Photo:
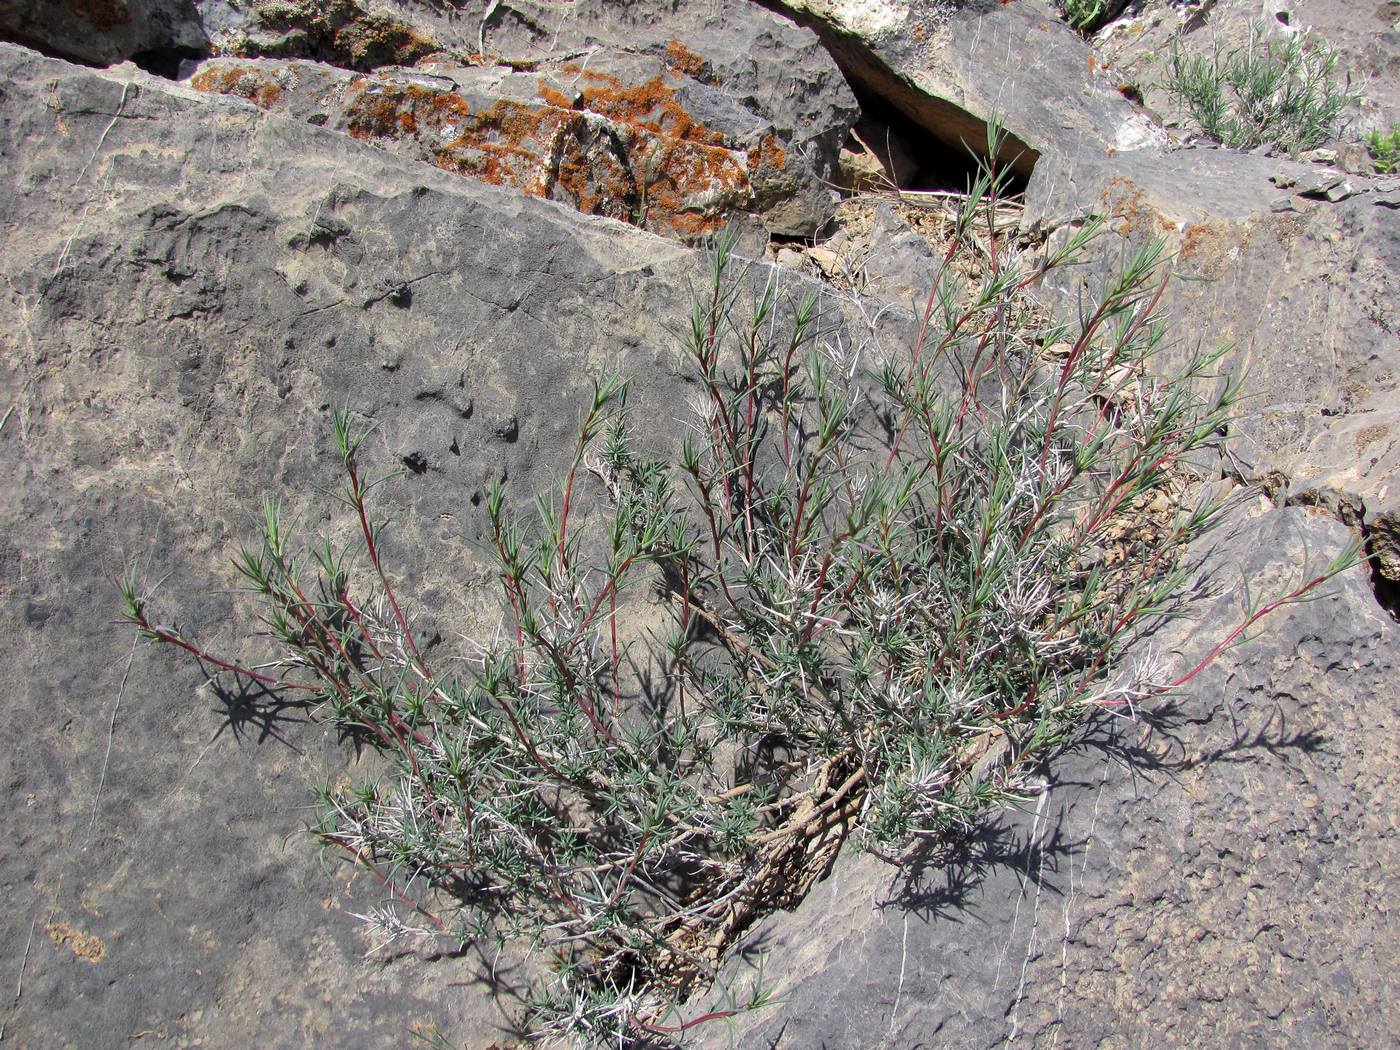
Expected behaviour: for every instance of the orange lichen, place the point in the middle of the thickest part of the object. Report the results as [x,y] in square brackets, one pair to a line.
[385,42]
[507,144]
[767,156]
[651,105]
[1130,208]
[379,113]
[499,144]
[1367,436]
[245,81]
[1196,237]
[691,187]
[552,96]
[594,178]
[628,153]
[1209,247]
[686,62]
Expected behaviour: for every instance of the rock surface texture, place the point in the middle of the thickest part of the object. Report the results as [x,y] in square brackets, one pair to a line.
[210,267]
[1175,884]
[446,214]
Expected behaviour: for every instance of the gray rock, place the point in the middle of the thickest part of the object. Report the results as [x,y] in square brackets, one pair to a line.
[1212,873]
[1305,292]
[190,284]
[901,267]
[947,67]
[1365,38]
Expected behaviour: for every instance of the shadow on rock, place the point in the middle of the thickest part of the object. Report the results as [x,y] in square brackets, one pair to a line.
[251,707]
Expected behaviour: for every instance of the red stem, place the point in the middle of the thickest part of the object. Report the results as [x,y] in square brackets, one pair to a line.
[357,492]
[161,634]
[1229,639]
[661,1029]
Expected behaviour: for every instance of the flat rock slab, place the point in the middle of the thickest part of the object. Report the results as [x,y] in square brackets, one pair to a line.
[1216,874]
[190,284]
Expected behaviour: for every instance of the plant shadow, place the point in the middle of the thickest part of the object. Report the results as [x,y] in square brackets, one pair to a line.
[941,881]
[255,712]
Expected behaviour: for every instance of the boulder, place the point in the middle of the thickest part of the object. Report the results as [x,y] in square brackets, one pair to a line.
[621,137]
[190,284]
[950,67]
[716,61]
[711,66]
[106,31]
[773,67]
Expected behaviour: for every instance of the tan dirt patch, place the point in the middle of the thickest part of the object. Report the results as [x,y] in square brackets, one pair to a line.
[83,945]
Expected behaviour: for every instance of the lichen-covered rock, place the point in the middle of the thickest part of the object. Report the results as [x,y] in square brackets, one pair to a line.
[617,138]
[773,67]
[714,64]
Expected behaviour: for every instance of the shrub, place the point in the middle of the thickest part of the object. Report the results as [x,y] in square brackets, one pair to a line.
[892,591]
[1384,150]
[1278,92]
[1088,16]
